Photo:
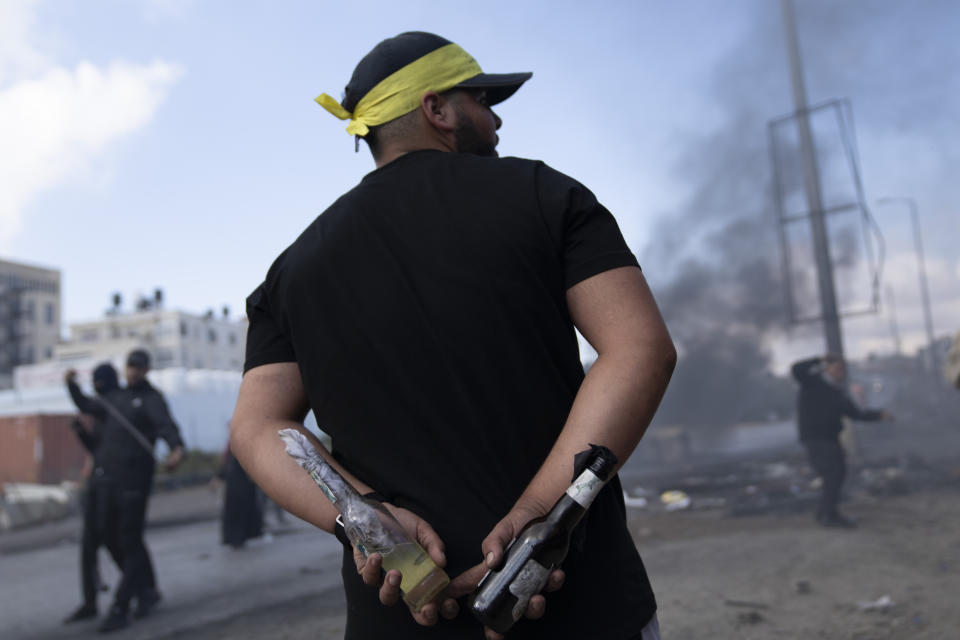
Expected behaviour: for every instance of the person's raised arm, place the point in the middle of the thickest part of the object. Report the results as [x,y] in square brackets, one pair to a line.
[83,402]
[806,369]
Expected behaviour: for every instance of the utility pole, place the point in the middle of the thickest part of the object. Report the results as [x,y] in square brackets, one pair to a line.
[811,181]
[894,327]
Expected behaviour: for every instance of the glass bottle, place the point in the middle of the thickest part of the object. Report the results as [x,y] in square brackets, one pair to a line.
[502,596]
[370,527]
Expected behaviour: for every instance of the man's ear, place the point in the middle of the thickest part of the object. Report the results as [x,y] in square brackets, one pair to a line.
[438,111]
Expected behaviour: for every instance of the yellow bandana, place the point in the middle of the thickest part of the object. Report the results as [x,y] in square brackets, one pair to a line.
[399,93]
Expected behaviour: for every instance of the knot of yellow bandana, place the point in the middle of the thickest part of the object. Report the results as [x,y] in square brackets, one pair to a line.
[399,93]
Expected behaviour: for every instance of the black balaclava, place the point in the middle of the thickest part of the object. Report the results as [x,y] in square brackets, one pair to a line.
[105,378]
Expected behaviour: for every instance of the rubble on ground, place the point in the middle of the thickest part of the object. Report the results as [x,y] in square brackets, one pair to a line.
[751,487]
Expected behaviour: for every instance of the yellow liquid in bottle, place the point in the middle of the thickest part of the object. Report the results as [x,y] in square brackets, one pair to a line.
[422,579]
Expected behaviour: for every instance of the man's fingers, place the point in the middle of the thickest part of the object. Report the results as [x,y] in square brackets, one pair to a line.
[494,544]
[427,616]
[449,609]
[536,607]
[466,582]
[369,568]
[390,590]
[490,634]
[555,581]
[431,542]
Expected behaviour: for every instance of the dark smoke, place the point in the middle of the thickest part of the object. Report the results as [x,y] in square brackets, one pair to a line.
[723,294]
[714,263]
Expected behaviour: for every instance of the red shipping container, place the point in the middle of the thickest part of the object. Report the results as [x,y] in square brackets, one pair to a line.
[40,448]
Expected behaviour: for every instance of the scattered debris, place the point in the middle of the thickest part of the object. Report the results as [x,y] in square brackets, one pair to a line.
[630,501]
[802,587]
[749,617]
[745,603]
[675,500]
[709,503]
[788,485]
[881,604]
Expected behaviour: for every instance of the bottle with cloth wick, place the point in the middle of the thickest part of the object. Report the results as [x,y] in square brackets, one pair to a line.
[502,596]
[370,527]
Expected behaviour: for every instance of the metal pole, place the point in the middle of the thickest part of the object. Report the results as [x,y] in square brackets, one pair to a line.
[811,180]
[894,327]
[922,270]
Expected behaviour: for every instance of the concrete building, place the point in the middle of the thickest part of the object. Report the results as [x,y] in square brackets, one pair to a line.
[173,338]
[29,316]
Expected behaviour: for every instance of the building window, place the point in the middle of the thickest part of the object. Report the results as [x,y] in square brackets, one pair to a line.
[48,353]
[184,330]
[233,338]
[49,313]
[211,336]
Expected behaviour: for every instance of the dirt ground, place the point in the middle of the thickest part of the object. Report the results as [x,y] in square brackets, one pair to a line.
[756,577]
[782,576]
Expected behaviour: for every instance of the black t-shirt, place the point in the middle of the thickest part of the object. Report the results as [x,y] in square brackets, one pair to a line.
[426,310]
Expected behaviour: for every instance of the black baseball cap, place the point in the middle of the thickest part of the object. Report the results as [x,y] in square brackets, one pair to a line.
[393,54]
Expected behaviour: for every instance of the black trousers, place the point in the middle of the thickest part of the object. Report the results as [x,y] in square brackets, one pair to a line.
[96,533]
[829,461]
[126,511]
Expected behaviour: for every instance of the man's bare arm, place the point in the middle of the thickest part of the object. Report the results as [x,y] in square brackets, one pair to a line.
[616,313]
[272,398]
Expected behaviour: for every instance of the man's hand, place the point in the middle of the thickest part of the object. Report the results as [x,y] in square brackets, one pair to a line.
[70,375]
[369,568]
[494,547]
[174,459]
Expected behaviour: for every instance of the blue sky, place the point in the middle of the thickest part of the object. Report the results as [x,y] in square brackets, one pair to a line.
[176,144]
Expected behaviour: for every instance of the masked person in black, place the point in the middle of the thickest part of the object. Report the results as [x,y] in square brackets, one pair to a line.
[133,419]
[822,403]
[96,531]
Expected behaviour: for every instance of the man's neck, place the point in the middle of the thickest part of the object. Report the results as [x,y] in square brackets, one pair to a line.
[394,151]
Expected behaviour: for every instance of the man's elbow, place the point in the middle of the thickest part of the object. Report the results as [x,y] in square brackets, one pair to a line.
[239,431]
[667,356]
[658,356]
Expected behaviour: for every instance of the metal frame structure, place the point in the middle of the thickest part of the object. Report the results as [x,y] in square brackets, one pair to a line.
[869,228]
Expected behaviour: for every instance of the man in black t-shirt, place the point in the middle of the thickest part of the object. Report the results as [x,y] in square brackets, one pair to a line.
[427,319]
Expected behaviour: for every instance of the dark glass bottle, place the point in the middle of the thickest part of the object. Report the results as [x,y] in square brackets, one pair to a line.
[502,596]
